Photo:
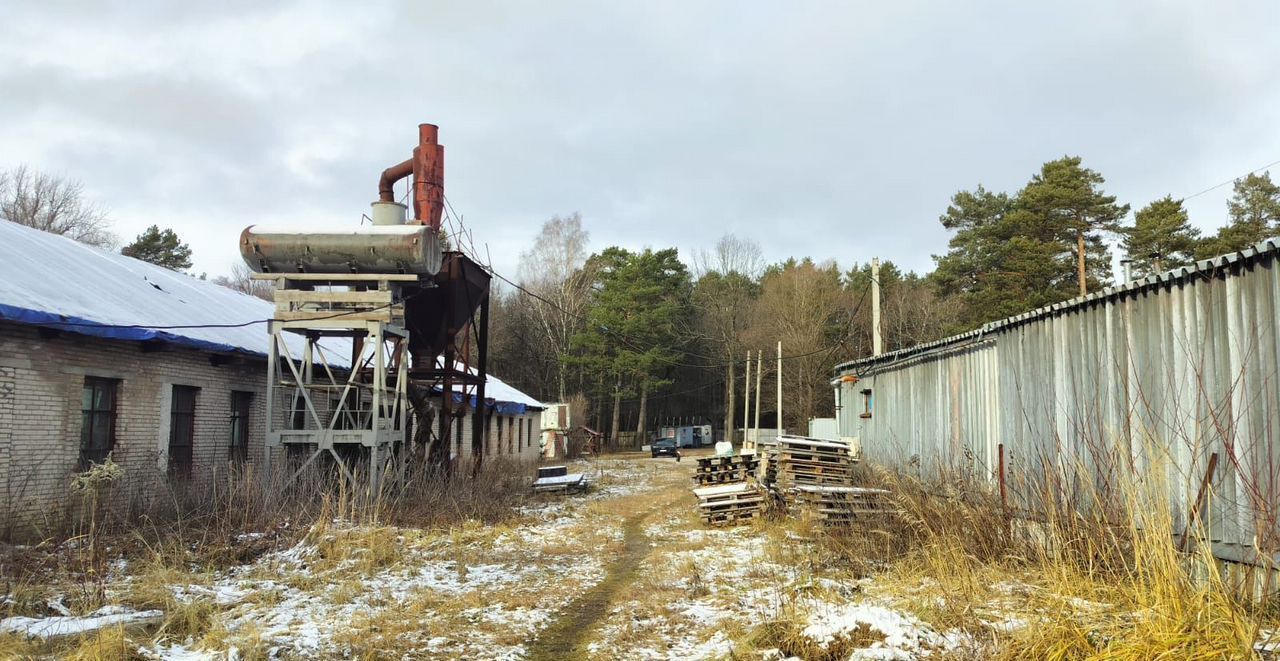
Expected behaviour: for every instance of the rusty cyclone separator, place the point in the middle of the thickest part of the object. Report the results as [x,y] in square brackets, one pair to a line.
[390,246]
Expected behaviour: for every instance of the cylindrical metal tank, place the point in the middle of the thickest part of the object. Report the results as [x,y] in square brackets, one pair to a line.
[378,249]
[388,213]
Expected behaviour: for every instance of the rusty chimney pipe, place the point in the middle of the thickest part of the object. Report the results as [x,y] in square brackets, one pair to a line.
[427,168]
[428,176]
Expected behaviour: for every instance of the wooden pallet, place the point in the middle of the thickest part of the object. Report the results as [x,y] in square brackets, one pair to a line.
[841,505]
[729,503]
[730,518]
[724,470]
[811,461]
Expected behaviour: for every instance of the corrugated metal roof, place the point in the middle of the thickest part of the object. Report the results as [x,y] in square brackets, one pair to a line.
[1138,385]
[51,280]
[1204,268]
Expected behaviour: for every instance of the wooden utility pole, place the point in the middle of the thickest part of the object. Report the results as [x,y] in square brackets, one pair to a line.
[746,398]
[759,369]
[728,404]
[779,387]
[877,346]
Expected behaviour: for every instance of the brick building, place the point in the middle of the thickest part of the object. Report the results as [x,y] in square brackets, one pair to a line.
[105,354]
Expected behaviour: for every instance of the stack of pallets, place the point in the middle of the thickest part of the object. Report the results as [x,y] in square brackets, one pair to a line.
[811,461]
[837,506]
[725,470]
[766,455]
[724,504]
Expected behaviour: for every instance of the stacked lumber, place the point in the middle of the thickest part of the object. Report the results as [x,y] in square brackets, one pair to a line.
[725,470]
[835,506]
[724,504]
[811,461]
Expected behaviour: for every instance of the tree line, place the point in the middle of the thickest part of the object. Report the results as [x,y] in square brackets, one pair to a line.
[645,337]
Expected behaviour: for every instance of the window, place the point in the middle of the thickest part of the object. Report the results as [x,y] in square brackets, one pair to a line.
[182,429]
[511,432]
[866,404]
[97,419]
[499,419]
[240,404]
[519,435]
[529,434]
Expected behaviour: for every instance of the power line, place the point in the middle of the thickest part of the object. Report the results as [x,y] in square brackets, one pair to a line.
[1230,181]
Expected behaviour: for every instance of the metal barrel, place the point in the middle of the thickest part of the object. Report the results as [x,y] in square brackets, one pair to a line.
[379,249]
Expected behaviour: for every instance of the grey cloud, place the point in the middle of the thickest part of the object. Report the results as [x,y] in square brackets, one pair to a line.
[822,129]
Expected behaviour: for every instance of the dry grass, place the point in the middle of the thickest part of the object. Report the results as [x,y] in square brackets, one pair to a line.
[178,543]
[110,644]
[1103,583]
[14,646]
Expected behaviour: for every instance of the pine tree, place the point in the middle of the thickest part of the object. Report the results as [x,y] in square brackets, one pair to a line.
[160,247]
[1066,199]
[1161,237]
[634,326]
[1254,209]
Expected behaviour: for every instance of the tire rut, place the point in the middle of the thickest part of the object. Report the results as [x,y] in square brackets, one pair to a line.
[565,638]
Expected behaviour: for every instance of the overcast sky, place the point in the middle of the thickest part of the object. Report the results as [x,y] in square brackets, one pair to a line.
[837,130]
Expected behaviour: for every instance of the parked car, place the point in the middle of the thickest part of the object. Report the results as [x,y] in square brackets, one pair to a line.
[664,447]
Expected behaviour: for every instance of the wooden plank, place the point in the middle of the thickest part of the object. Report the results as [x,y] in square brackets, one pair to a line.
[1194,515]
[339,277]
[719,490]
[374,297]
[338,315]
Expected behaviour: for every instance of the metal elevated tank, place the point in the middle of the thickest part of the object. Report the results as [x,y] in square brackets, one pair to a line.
[376,249]
[391,245]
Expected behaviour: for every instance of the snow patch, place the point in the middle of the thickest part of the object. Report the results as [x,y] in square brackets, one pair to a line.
[905,637]
[65,625]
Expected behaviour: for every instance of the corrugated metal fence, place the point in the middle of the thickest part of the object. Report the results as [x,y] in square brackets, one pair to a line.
[1146,380]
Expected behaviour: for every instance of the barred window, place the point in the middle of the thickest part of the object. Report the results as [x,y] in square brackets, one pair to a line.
[182,430]
[97,419]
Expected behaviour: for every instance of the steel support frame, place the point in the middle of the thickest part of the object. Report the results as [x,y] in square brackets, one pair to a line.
[376,383]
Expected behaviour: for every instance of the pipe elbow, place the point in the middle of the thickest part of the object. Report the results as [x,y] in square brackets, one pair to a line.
[386,183]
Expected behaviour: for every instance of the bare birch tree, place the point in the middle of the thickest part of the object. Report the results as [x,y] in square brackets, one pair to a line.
[723,294]
[53,204]
[553,268]
[730,255]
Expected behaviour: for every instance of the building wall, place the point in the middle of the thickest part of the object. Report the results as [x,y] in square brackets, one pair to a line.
[518,439]
[1146,383]
[41,381]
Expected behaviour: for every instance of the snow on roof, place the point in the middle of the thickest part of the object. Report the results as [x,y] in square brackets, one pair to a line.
[494,388]
[51,280]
